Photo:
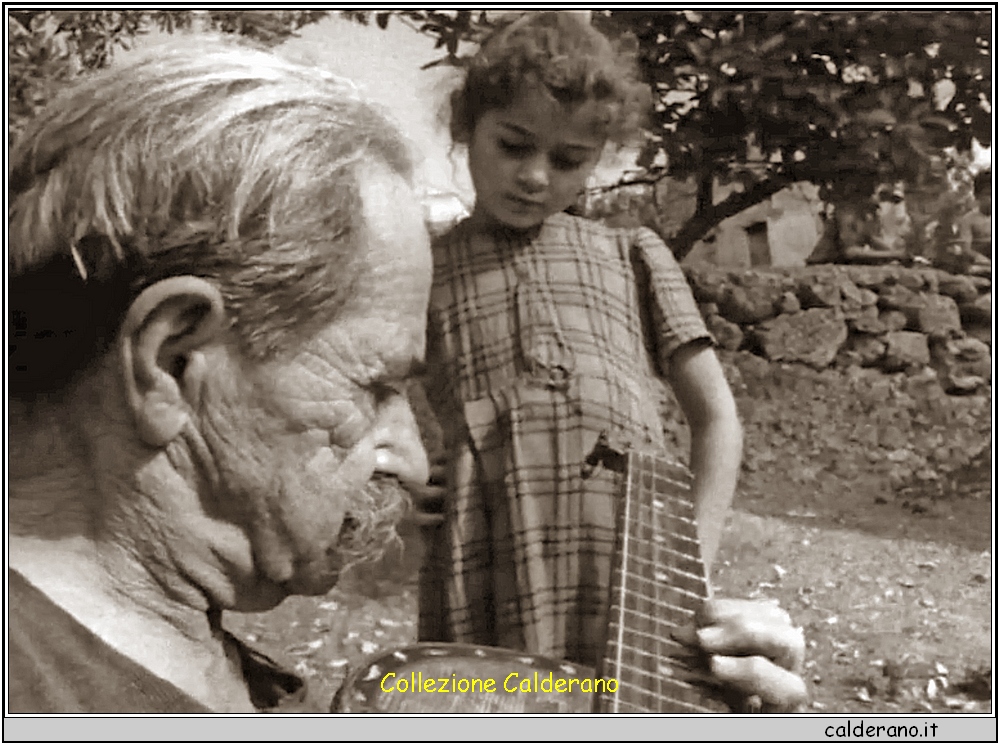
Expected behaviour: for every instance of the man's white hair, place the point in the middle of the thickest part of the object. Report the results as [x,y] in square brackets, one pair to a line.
[201,157]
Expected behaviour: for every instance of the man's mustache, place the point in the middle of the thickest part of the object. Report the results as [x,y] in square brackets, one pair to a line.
[369,526]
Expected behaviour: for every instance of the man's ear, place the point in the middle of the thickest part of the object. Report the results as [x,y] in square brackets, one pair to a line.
[160,346]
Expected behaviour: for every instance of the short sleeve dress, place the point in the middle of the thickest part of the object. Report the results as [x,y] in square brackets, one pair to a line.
[537,343]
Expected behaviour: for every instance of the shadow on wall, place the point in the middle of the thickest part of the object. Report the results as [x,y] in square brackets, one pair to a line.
[780,232]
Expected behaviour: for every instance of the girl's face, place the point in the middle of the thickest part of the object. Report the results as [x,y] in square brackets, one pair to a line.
[532,159]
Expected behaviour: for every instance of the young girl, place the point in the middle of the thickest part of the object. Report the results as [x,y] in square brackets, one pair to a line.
[545,331]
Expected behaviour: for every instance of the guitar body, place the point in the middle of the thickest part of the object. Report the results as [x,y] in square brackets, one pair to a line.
[482,680]
[657,585]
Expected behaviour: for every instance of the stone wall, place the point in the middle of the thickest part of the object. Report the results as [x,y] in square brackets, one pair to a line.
[890,318]
[873,379]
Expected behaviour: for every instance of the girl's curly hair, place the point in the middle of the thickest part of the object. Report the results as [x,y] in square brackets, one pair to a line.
[561,53]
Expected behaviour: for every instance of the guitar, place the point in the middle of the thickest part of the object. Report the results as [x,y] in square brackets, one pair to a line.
[657,584]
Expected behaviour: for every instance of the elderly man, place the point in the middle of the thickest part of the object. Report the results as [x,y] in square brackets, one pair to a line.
[218,279]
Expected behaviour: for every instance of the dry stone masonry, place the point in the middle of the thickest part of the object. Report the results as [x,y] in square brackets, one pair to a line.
[889,318]
[873,379]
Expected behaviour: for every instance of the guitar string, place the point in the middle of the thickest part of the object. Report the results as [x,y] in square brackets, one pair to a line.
[677,703]
[681,688]
[634,503]
[621,599]
[645,634]
[645,543]
[635,570]
[652,565]
[646,510]
[672,568]
[655,526]
[647,488]
[664,527]
[687,582]
[674,518]
[644,648]
[680,592]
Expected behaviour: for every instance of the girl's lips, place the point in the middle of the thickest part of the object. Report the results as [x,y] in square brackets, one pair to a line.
[528,203]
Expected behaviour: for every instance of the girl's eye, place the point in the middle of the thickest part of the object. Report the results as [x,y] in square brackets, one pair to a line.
[566,164]
[515,148]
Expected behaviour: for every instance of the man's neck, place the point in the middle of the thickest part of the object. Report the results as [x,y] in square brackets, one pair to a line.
[98,549]
[183,645]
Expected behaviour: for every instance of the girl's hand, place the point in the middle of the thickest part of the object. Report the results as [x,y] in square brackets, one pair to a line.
[754,650]
[428,502]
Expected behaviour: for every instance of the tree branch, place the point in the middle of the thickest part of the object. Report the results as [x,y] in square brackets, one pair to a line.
[683,241]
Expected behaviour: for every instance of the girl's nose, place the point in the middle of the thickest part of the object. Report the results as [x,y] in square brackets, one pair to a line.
[533,175]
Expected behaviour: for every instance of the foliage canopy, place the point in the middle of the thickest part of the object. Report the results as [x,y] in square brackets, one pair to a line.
[846,100]
[47,48]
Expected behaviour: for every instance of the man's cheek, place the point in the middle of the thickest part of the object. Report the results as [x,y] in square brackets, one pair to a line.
[320,490]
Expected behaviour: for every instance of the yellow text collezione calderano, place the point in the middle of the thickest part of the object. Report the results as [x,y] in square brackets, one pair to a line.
[416,682]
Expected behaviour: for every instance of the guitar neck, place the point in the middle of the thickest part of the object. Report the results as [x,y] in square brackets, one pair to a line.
[658,583]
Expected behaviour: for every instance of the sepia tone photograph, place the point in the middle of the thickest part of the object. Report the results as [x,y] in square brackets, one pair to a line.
[501,362]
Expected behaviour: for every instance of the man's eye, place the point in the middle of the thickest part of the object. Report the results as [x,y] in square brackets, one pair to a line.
[382,392]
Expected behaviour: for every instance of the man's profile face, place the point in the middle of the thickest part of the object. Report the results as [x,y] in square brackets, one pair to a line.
[311,448]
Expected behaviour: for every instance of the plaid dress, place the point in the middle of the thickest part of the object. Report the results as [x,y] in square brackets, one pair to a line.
[536,345]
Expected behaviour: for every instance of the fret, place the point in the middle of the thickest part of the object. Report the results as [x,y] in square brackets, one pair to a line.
[681,653]
[681,519]
[675,660]
[634,628]
[672,615]
[661,572]
[687,699]
[672,490]
[663,576]
[677,560]
[624,706]
[670,595]
[613,662]
[646,532]
[664,596]
[667,526]
[659,582]
[643,688]
[676,683]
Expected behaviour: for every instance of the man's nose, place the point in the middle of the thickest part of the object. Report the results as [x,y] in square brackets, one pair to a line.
[399,448]
[534,174]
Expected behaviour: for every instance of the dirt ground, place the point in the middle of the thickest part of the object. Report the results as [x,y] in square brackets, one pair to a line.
[896,605]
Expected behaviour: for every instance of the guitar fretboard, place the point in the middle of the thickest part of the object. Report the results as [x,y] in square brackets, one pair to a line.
[658,584]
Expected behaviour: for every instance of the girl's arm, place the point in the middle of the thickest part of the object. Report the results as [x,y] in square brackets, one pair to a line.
[684,355]
[703,393]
